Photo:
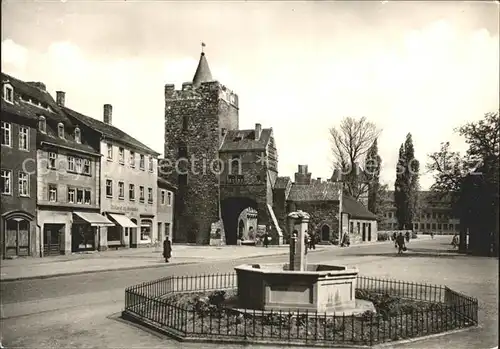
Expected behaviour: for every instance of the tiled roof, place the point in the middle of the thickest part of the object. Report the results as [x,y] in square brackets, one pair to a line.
[245,140]
[20,109]
[324,191]
[49,138]
[163,183]
[110,131]
[282,182]
[356,209]
[24,108]
[203,73]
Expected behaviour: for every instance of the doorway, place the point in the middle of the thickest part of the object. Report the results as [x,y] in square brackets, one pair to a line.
[132,232]
[17,237]
[325,233]
[52,237]
[369,231]
[231,209]
[364,232]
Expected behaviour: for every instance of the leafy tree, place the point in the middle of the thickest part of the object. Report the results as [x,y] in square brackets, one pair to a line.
[406,185]
[449,169]
[470,181]
[351,141]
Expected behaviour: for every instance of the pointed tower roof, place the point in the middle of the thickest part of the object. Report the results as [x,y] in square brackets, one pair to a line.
[203,73]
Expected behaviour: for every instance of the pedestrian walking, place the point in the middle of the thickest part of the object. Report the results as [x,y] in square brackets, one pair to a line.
[454,241]
[400,242]
[394,238]
[345,240]
[432,235]
[167,249]
[266,239]
[312,241]
[407,236]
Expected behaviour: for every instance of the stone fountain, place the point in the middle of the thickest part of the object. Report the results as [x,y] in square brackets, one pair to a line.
[298,285]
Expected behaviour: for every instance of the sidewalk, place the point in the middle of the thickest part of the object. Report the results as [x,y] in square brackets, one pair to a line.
[137,258]
[141,258]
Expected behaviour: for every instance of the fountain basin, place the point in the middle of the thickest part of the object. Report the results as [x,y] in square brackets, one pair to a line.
[321,287]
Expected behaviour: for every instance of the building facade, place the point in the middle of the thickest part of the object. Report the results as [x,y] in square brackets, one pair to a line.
[68,185]
[128,183]
[165,210]
[435,215]
[225,176]
[196,119]
[18,224]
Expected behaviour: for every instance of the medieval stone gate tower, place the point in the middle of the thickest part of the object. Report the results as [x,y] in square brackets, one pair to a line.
[196,119]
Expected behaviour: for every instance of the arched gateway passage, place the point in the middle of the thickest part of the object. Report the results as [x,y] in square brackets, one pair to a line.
[231,209]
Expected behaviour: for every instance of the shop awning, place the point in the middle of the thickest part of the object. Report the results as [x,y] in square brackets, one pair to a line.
[122,220]
[94,219]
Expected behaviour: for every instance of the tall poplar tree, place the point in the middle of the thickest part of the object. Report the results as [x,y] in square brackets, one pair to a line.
[406,185]
[373,164]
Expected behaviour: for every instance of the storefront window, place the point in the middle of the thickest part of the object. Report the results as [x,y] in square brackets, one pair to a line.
[146,226]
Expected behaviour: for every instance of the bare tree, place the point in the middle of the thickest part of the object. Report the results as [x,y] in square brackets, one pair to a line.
[350,143]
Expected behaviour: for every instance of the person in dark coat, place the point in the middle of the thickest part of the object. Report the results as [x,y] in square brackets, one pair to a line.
[265,239]
[400,241]
[167,249]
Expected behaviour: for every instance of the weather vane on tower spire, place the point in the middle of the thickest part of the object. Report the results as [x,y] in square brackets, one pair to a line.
[202,46]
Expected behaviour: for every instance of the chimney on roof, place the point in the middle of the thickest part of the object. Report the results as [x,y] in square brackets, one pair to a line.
[303,169]
[302,176]
[108,111]
[319,179]
[258,131]
[60,98]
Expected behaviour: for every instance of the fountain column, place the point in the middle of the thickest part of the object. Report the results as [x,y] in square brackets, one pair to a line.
[298,257]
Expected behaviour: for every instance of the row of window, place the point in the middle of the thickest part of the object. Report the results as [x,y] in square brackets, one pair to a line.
[74,164]
[24,136]
[434,215]
[23,183]
[166,197]
[8,96]
[429,226]
[75,195]
[24,133]
[42,126]
[131,158]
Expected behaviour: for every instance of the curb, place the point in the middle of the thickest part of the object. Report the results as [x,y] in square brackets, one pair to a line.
[49,276]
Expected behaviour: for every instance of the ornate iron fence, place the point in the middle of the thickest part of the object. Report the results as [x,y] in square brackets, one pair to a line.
[152,304]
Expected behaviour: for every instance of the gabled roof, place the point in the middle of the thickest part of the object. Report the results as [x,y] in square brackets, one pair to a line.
[324,191]
[245,140]
[337,174]
[203,73]
[26,109]
[356,209]
[110,132]
[282,182]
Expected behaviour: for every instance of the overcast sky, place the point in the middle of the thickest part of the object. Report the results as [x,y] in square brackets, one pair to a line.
[298,67]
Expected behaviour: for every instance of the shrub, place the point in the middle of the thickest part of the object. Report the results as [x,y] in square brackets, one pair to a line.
[384,236]
[414,235]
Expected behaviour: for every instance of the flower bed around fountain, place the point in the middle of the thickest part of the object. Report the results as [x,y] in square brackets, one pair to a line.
[204,308]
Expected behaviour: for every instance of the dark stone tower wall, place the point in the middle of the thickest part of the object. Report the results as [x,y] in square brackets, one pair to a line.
[204,112]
